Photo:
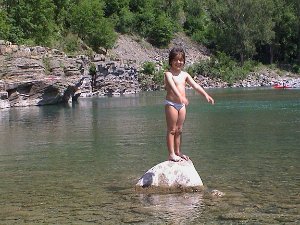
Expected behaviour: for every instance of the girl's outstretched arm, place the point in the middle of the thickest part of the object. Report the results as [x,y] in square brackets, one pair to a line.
[199,89]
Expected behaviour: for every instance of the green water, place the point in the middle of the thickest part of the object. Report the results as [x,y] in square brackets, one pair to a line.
[78,164]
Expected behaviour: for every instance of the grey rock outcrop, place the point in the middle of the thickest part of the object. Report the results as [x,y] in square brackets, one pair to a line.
[37,76]
[171,176]
[116,78]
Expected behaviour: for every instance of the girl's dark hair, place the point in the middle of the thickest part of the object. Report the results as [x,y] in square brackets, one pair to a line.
[174,52]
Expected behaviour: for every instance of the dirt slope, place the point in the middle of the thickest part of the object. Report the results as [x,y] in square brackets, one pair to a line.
[138,50]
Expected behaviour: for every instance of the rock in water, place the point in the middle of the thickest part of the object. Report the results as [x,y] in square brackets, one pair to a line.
[171,176]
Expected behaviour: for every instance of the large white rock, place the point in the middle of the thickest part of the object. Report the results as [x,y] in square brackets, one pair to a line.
[173,176]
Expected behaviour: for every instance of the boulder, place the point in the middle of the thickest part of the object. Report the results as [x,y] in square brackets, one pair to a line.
[171,176]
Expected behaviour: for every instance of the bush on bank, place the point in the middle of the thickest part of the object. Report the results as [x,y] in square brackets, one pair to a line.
[223,67]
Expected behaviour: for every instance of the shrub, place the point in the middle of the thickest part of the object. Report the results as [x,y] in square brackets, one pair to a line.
[223,67]
[296,68]
[158,77]
[71,43]
[148,68]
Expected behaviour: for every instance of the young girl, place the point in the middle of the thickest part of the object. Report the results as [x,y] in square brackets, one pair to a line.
[176,101]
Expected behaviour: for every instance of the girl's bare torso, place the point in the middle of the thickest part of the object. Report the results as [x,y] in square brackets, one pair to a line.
[180,82]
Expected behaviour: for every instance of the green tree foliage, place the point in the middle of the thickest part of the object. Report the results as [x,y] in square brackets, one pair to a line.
[33,20]
[4,25]
[88,21]
[224,67]
[115,7]
[84,16]
[240,24]
[102,35]
[149,74]
[198,24]
[260,29]
[297,9]
[173,9]
[285,45]
[148,68]
[125,21]
[70,43]
[61,12]
[118,11]
[265,30]
[157,20]
[144,19]
[162,31]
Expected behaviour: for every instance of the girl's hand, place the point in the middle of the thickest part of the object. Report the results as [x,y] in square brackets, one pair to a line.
[184,100]
[210,99]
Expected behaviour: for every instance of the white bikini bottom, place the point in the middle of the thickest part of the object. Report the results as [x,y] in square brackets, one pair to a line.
[177,106]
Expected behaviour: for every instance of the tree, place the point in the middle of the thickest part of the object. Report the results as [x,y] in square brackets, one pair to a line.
[173,9]
[118,11]
[144,19]
[88,21]
[102,35]
[238,25]
[198,23]
[136,5]
[83,16]
[115,6]
[297,8]
[61,12]
[283,47]
[125,22]
[162,31]
[4,25]
[34,20]
[152,21]
[298,29]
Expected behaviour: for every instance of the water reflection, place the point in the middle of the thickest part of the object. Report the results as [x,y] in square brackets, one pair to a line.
[174,208]
[123,101]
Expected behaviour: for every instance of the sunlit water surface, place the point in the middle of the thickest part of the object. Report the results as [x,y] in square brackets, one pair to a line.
[78,164]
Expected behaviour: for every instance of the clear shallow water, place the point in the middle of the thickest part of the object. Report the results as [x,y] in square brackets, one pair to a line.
[78,164]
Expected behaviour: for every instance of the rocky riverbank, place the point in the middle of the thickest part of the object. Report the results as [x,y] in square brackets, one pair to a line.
[37,75]
[262,78]
[41,76]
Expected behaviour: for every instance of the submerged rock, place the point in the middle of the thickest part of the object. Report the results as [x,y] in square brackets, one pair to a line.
[217,193]
[170,176]
[176,208]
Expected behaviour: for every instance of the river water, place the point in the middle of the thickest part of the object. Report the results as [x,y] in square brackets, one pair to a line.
[78,164]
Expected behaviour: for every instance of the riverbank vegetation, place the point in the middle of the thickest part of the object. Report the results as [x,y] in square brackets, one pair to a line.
[221,66]
[239,33]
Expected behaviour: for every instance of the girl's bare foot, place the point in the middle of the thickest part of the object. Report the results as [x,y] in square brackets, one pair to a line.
[183,156]
[175,158]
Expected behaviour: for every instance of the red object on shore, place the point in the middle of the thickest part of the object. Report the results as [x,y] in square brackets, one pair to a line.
[279,86]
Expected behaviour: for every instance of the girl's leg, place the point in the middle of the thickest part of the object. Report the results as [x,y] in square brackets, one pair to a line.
[178,136]
[171,118]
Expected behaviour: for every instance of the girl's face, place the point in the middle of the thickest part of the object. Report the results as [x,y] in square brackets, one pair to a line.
[178,62]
